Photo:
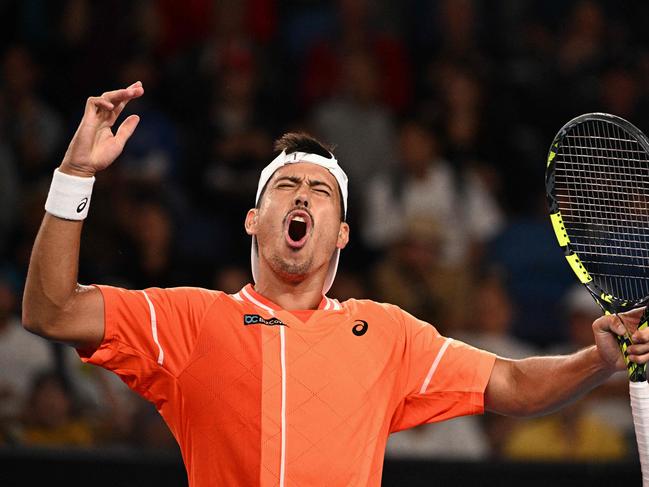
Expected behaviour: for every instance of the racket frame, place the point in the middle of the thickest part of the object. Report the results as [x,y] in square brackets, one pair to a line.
[609,303]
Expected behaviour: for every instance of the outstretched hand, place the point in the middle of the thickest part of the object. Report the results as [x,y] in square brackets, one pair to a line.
[607,326]
[94,147]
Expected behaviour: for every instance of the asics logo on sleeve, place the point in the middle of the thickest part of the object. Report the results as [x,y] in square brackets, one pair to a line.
[258,320]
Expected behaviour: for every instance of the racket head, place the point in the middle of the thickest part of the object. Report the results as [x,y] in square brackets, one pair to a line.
[597,188]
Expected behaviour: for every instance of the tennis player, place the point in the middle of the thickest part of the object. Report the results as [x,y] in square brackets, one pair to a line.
[278,384]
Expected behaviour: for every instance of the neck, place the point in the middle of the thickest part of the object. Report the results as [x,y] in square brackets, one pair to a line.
[305,294]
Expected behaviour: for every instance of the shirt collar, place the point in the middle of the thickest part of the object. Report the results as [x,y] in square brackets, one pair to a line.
[248,293]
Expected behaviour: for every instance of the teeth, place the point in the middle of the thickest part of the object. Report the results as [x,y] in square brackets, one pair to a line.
[298,219]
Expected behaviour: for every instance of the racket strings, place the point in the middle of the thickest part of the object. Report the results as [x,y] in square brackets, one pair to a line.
[602,188]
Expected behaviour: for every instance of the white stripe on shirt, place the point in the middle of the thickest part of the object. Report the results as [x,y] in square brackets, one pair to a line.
[256,302]
[154,328]
[433,367]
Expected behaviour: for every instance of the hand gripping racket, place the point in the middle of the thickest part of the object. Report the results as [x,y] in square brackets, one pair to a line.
[597,185]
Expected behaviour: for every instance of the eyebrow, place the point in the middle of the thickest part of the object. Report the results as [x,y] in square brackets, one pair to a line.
[310,182]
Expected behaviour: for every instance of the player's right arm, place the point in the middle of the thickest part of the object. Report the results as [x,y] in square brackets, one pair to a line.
[55,305]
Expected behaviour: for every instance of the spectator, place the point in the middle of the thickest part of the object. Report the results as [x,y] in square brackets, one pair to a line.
[152,154]
[231,279]
[52,416]
[21,355]
[36,129]
[239,130]
[534,272]
[568,436]
[348,285]
[413,277]
[328,39]
[492,330]
[149,230]
[457,439]
[427,184]
[358,122]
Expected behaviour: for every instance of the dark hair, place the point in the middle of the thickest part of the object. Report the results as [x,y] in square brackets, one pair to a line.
[303,142]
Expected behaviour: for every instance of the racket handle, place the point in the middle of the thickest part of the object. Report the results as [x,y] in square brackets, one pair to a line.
[639,392]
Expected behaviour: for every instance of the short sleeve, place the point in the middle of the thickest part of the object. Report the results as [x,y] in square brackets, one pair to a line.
[149,334]
[441,378]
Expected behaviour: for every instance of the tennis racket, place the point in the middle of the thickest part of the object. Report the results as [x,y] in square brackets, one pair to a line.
[597,186]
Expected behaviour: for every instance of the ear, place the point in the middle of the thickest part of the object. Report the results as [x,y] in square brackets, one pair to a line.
[343,235]
[251,221]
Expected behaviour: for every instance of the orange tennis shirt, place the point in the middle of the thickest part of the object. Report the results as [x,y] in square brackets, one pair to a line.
[257,395]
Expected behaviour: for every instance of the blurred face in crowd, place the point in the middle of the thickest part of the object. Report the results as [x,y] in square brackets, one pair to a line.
[417,148]
[50,405]
[417,254]
[19,70]
[238,83]
[588,19]
[298,222]
[361,78]
[156,219]
[494,307]
[619,92]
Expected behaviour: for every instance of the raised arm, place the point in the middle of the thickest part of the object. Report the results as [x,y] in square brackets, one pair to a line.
[55,306]
[540,385]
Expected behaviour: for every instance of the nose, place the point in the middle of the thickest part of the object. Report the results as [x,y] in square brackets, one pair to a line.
[302,196]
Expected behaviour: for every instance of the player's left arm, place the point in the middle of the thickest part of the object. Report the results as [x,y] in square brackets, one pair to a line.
[540,385]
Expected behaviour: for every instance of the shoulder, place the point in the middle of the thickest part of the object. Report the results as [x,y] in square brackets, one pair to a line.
[385,312]
[178,298]
[187,293]
[198,298]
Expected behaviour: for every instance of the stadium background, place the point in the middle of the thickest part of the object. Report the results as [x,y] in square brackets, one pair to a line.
[441,113]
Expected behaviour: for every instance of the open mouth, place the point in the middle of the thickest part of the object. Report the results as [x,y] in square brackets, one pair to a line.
[297,229]
[298,226]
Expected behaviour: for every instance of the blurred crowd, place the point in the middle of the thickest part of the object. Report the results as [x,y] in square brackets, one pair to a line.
[441,113]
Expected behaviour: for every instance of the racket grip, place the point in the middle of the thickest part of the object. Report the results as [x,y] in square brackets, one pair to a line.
[639,392]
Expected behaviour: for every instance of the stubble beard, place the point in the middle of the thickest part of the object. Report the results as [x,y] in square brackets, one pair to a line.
[291,270]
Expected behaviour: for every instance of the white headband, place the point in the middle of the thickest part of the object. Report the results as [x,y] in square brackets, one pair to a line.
[332,166]
[281,160]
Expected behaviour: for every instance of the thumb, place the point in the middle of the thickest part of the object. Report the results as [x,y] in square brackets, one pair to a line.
[126,129]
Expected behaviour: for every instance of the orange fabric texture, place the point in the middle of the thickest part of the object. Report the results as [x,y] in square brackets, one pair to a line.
[256,396]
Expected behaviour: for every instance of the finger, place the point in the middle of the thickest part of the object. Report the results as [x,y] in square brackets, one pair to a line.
[118,109]
[639,359]
[638,349]
[634,314]
[94,103]
[640,336]
[126,129]
[631,319]
[136,90]
[134,86]
[120,106]
[609,323]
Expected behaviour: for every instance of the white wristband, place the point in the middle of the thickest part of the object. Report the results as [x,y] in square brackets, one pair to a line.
[69,196]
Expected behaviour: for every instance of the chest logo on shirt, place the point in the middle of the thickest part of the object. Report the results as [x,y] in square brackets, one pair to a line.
[258,320]
[360,328]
